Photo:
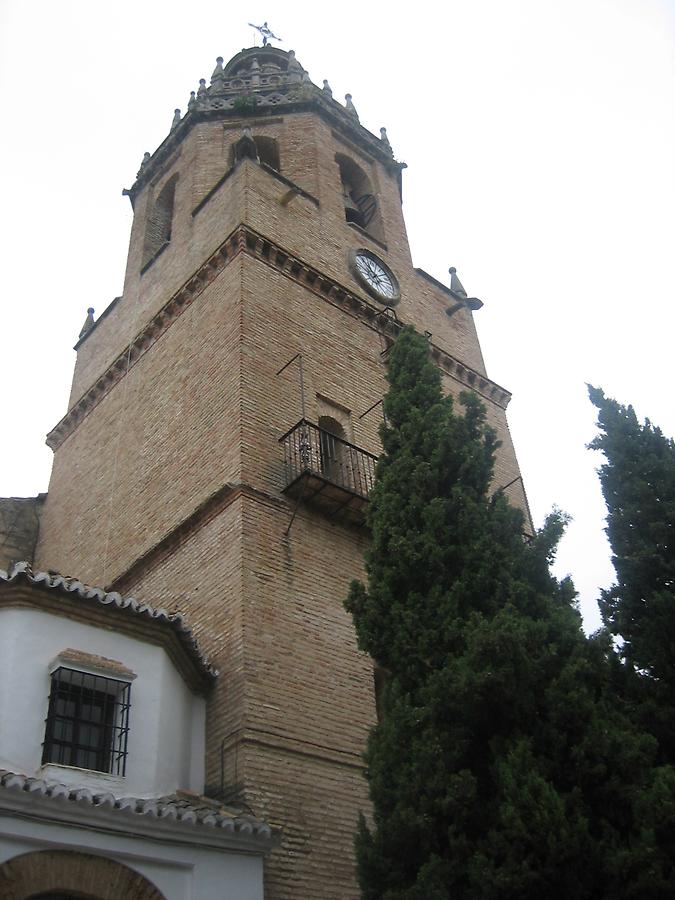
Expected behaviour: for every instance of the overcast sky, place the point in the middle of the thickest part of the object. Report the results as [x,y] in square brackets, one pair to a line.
[540,143]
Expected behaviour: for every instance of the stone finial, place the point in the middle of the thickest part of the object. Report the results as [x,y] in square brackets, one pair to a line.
[176,119]
[457,288]
[293,64]
[218,73]
[326,88]
[455,284]
[144,162]
[255,72]
[88,322]
[385,140]
[202,88]
[294,69]
[351,109]
[192,102]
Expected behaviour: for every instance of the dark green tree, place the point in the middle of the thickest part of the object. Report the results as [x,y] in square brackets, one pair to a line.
[638,483]
[502,766]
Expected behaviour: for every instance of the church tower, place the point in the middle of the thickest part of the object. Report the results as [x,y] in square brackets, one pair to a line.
[222,430]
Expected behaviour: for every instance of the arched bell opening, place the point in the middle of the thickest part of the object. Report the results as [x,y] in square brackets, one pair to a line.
[268,151]
[360,202]
[259,148]
[160,219]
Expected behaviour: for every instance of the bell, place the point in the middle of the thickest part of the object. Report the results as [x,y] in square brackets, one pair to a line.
[352,211]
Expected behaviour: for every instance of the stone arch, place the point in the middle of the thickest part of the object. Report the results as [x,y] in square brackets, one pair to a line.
[259,148]
[361,207]
[70,875]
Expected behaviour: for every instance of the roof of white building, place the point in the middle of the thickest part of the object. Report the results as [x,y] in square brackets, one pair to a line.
[66,586]
[197,818]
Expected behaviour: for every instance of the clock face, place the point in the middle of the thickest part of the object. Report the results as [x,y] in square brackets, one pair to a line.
[375,276]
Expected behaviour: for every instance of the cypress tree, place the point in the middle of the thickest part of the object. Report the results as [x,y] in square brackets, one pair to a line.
[638,484]
[502,766]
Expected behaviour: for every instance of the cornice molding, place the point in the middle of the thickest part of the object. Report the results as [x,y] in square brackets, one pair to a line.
[244,240]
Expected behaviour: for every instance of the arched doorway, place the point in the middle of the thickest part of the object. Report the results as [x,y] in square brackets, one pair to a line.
[68,875]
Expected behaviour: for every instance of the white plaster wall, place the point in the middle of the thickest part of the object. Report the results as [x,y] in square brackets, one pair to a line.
[181,871]
[164,753]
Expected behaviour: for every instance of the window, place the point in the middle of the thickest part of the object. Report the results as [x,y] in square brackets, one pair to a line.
[158,228]
[361,207]
[87,722]
[259,148]
[332,438]
[268,152]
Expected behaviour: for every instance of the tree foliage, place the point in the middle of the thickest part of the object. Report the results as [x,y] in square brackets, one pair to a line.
[503,765]
[638,484]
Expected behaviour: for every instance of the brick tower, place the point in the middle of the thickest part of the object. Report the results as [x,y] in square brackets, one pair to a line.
[219,445]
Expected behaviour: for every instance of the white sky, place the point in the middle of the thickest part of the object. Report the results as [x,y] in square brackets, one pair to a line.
[540,140]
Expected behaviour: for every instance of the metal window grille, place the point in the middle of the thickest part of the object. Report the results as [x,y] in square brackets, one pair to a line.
[88,722]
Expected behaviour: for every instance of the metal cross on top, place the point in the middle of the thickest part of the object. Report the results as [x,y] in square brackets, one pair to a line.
[266,32]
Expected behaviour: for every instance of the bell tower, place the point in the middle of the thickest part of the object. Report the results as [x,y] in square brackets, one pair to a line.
[222,431]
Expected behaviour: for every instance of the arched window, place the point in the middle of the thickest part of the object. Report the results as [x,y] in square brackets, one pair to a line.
[259,148]
[158,228]
[360,203]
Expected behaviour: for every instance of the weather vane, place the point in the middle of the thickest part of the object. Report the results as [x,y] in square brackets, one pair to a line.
[266,32]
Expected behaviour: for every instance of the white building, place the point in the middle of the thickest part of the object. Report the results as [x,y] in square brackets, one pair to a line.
[102,705]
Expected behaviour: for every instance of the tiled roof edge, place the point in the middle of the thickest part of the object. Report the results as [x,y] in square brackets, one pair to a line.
[171,807]
[67,585]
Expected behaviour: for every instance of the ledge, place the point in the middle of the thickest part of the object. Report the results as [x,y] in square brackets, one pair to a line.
[367,235]
[273,172]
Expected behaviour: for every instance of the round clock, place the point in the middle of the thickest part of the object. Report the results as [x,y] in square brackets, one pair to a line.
[375,276]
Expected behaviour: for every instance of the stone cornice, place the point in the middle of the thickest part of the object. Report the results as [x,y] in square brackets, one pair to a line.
[244,239]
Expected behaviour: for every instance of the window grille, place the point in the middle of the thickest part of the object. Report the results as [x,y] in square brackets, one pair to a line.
[87,722]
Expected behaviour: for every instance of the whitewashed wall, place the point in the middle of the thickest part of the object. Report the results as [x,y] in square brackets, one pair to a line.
[166,721]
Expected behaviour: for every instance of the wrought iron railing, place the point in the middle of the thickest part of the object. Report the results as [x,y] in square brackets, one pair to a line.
[310,450]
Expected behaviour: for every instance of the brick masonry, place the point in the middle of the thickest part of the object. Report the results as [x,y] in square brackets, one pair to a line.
[171,486]
[19,523]
[78,874]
